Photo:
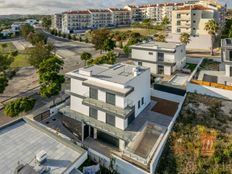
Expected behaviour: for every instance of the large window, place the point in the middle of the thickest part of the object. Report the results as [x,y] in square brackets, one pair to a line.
[110,98]
[178,16]
[161,57]
[110,119]
[93,113]
[230,55]
[93,93]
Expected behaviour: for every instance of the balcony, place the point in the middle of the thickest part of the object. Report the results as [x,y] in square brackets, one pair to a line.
[124,113]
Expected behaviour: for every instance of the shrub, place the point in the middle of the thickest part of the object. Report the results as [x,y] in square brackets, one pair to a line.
[20,105]
[14,53]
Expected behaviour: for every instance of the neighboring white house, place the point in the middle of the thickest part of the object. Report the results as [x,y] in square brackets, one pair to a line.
[31,22]
[226,45]
[161,57]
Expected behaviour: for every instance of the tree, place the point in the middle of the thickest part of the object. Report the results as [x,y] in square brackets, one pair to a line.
[98,38]
[109,58]
[165,21]
[46,22]
[3,83]
[85,56]
[185,38]
[161,38]
[36,38]
[39,53]
[5,62]
[212,28]
[26,29]
[109,45]
[50,79]
[20,105]
[127,50]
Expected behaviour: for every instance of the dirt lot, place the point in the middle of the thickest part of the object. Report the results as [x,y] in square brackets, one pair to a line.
[165,107]
[25,79]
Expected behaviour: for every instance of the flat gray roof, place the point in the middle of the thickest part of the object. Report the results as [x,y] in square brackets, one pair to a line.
[118,73]
[20,141]
[158,45]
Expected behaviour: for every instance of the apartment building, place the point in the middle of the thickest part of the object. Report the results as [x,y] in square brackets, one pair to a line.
[191,19]
[153,11]
[226,46]
[162,58]
[135,13]
[75,20]
[57,22]
[100,18]
[120,16]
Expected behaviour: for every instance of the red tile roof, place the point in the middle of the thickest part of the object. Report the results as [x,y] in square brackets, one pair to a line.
[99,11]
[118,9]
[194,7]
[77,12]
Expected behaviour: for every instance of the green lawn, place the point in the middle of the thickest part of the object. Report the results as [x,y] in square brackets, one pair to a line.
[142,31]
[20,60]
[9,47]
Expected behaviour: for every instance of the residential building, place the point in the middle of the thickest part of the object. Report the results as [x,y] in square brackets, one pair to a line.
[161,57]
[191,19]
[111,94]
[120,17]
[226,46]
[73,21]
[57,22]
[135,13]
[114,106]
[31,22]
[23,139]
[100,18]
[153,11]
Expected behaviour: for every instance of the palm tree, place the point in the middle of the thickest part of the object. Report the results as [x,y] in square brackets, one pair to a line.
[212,28]
[185,38]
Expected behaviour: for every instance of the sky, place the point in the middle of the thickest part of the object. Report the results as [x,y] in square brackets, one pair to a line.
[55,6]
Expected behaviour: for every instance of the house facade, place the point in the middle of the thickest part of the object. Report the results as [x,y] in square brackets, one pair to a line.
[191,19]
[226,45]
[162,58]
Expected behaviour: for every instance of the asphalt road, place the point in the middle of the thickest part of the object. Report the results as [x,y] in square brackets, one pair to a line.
[70,52]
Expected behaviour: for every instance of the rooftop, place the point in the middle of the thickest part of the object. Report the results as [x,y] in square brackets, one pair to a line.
[22,140]
[158,45]
[194,7]
[118,73]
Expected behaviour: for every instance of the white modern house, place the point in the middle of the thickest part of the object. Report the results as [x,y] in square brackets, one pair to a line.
[111,94]
[111,104]
[163,58]
[226,45]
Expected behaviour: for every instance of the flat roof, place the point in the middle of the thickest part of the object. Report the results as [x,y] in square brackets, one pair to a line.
[158,45]
[118,73]
[22,140]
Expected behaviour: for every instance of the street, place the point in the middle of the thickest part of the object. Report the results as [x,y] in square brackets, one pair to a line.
[69,51]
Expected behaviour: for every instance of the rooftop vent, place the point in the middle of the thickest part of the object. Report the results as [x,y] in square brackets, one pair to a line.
[135,71]
[41,156]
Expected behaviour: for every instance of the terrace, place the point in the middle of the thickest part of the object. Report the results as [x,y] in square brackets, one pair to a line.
[212,73]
